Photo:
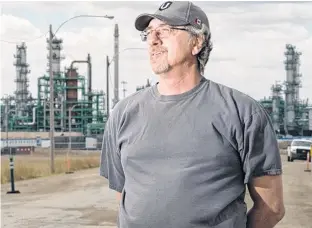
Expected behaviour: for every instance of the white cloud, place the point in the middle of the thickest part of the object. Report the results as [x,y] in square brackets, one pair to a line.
[17,29]
[249,42]
[252,38]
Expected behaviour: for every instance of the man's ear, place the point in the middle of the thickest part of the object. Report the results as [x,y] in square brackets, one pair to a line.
[198,43]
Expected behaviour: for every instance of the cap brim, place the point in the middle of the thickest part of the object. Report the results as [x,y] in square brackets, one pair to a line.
[143,20]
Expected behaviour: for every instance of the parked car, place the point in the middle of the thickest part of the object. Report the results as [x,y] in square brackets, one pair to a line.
[299,149]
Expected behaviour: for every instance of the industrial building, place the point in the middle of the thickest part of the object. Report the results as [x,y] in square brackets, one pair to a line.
[73,96]
[289,114]
[148,84]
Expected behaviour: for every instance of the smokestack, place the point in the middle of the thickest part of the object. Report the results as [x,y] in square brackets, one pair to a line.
[89,74]
[116,65]
[89,84]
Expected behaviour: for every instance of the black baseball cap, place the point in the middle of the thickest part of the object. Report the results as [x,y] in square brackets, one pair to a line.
[175,13]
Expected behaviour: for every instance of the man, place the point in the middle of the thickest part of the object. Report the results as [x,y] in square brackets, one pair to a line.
[180,153]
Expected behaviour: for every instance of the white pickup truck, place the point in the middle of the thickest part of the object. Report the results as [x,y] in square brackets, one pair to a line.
[298,149]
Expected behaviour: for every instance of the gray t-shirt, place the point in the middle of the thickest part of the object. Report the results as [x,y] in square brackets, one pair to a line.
[182,161]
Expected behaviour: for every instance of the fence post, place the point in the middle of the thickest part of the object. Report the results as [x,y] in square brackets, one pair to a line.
[13,191]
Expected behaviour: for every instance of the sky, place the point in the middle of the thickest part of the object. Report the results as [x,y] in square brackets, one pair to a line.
[249,41]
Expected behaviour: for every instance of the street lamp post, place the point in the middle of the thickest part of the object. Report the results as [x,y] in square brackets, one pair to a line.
[51,102]
[70,141]
[51,36]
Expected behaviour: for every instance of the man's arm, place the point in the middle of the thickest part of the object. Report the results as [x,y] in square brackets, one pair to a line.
[267,195]
[110,161]
[118,196]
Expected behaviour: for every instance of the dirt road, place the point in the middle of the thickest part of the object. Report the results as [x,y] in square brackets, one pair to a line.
[83,199]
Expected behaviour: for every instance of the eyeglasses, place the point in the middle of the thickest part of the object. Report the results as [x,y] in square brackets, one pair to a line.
[161,32]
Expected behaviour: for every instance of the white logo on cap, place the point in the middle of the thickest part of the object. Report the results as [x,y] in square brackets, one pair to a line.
[165,5]
[197,21]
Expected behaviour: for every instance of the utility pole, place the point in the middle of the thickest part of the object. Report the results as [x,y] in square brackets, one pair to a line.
[107,85]
[7,123]
[115,59]
[51,103]
[116,64]
[51,84]
[124,89]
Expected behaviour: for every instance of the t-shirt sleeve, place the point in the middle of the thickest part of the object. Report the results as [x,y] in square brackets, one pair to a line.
[260,152]
[110,163]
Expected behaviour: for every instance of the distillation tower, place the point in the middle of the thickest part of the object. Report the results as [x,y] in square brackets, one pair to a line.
[44,88]
[19,108]
[21,92]
[77,107]
[290,115]
[276,104]
[292,85]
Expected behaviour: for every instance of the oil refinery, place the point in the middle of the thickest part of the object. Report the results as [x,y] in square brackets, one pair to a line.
[289,114]
[75,100]
[73,96]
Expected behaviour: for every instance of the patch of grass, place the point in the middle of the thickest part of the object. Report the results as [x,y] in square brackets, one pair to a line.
[38,165]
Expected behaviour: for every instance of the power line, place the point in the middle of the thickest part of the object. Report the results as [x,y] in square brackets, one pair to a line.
[11,42]
[31,40]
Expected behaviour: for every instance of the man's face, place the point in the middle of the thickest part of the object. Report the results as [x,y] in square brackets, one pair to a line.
[167,48]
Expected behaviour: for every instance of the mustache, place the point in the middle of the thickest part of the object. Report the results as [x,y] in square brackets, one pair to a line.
[157,50]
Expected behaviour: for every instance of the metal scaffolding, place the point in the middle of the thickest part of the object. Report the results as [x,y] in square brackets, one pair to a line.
[292,84]
[277,109]
[289,115]
[72,93]
[88,108]
[21,92]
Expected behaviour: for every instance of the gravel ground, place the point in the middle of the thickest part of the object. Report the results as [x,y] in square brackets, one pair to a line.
[82,199]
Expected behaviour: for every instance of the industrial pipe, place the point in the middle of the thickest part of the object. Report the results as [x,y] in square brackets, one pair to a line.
[45,103]
[89,86]
[88,61]
[34,118]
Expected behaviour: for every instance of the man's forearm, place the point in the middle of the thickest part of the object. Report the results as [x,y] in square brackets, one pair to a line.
[263,218]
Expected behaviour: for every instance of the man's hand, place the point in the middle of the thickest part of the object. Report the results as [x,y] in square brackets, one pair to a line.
[267,195]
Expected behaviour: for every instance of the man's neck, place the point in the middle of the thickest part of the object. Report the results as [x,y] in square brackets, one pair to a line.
[178,80]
